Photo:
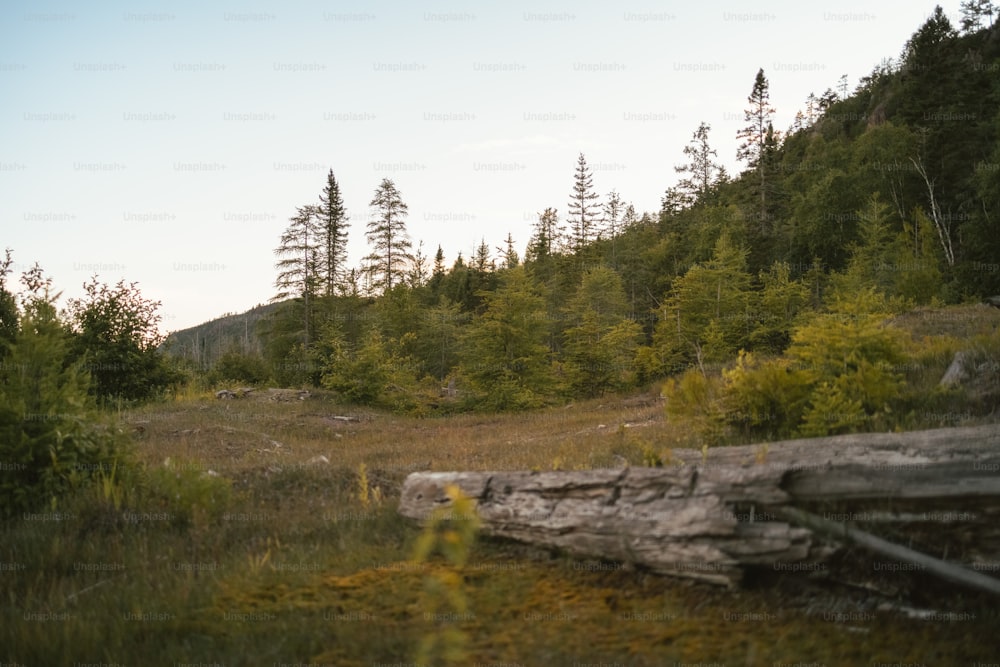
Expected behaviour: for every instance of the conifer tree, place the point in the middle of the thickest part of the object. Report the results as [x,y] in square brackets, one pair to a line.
[545,240]
[509,254]
[584,211]
[702,172]
[333,224]
[754,136]
[614,211]
[600,347]
[505,358]
[387,234]
[298,264]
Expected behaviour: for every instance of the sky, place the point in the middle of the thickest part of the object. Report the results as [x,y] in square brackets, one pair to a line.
[168,143]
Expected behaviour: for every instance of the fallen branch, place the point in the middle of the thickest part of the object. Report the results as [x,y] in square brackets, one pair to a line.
[842,532]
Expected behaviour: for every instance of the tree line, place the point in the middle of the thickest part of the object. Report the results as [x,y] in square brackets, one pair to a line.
[892,187]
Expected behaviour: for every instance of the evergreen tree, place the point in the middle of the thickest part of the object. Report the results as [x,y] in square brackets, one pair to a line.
[333,224]
[754,136]
[702,173]
[546,237]
[600,347]
[505,358]
[509,254]
[614,211]
[973,12]
[707,316]
[298,265]
[387,235]
[417,275]
[584,211]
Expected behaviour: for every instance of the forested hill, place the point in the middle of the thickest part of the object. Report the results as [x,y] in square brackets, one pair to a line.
[886,197]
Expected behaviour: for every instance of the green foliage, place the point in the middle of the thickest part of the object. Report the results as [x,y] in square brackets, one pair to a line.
[450,532]
[52,440]
[241,367]
[709,312]
[780,304]
[600,348]
[695,399]
[764,399]
[504,357]
[118,340]
[185,495]
[374,373]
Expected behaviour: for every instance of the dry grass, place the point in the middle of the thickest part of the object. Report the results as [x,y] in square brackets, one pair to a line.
[297,564]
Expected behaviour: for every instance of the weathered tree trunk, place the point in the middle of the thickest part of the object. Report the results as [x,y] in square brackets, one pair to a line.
[710,516]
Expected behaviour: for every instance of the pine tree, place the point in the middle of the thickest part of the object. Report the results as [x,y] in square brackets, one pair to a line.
[600,347]
[754,136]
[481,262]
[702,173]
[973,12]
[614,210]
[417,275]
[546,237]
[437,273]
[387,234]
[504,357]
[333,226]
[584,210]
[509,254]
[298,264]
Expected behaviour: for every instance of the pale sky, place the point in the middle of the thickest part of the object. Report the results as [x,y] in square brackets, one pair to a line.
[168,143]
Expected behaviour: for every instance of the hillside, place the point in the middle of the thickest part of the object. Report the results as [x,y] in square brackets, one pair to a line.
[203,344]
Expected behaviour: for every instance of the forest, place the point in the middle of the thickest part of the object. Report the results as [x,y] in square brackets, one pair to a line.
[874,202]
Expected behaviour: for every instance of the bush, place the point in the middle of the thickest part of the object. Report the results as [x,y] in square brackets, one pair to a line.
[52,439]
[239,367]
[764,400]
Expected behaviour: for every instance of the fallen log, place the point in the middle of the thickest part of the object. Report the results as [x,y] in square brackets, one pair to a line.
[711,516]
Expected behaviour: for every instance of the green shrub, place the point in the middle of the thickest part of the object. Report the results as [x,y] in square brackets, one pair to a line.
[764,400]
[52,439]
[186,495]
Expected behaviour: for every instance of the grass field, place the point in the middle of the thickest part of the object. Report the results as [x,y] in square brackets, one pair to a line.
[266,533]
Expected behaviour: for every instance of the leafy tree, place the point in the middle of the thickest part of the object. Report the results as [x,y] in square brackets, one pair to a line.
[52,439]
[584,211]
[504,357]
[333,225]
[239,366]
[387,235]
[118,339]
[755,142]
